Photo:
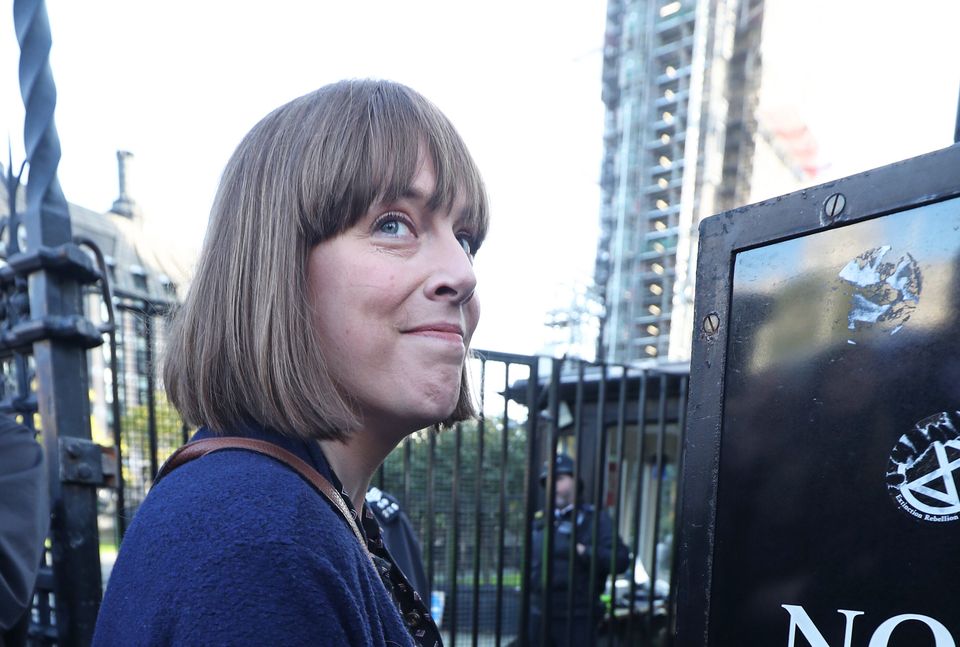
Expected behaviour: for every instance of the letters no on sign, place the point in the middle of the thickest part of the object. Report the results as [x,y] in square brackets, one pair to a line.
[800,622]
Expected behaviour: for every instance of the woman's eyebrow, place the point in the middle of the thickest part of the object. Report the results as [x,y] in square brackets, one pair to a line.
[413,193]
[430,202]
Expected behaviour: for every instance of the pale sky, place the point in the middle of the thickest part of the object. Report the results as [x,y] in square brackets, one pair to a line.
[179,83]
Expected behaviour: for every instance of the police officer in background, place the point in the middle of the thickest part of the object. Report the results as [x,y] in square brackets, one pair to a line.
[585,612]
[400,538]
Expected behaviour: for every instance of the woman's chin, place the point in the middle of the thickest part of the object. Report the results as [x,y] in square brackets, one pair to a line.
[432,415]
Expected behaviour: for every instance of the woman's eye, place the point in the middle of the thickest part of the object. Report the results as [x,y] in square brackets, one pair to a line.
[466,242]
[393,226]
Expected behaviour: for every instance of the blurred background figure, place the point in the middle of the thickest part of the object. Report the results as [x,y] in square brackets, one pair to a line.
[577,530]
[400,538]
[24,520]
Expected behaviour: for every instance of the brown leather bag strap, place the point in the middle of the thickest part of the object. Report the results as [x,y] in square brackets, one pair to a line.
[199,448]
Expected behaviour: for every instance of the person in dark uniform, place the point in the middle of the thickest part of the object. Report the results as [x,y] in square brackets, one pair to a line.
[24,520]
[400,538]
[585,612]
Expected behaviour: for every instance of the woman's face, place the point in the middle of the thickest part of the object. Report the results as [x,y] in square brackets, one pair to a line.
[393,303]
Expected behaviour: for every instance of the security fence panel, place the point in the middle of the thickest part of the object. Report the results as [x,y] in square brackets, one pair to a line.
[819,478]
[467,492]
[475,493]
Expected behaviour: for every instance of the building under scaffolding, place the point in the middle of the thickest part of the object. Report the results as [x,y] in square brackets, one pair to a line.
[680,82]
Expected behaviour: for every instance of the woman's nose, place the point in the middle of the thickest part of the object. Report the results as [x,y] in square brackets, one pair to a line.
[453,278]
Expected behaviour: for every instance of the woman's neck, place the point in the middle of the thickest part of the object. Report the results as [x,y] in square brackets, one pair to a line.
[355,461]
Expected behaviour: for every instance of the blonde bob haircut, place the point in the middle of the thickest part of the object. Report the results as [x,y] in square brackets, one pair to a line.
[243,346]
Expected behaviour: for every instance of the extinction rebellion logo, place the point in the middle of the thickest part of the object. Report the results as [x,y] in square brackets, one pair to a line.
[924,469]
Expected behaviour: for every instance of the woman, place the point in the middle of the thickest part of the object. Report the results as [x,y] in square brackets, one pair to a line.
[330,316]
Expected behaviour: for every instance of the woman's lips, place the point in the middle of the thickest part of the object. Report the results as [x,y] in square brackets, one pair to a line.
[452,333]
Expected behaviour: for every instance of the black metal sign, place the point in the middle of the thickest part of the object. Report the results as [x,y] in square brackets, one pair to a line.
[822,463]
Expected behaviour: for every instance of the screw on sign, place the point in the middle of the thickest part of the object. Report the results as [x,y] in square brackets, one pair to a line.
[833,206]
[711,323]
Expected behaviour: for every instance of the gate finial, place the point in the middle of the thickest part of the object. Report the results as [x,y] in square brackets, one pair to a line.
[40,139]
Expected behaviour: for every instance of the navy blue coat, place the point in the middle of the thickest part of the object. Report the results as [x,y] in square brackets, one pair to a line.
[236,549]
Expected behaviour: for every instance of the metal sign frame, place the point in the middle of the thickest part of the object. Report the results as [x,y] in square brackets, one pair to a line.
[904,185]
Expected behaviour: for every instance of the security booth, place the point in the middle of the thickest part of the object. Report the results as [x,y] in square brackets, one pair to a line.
[821,460]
